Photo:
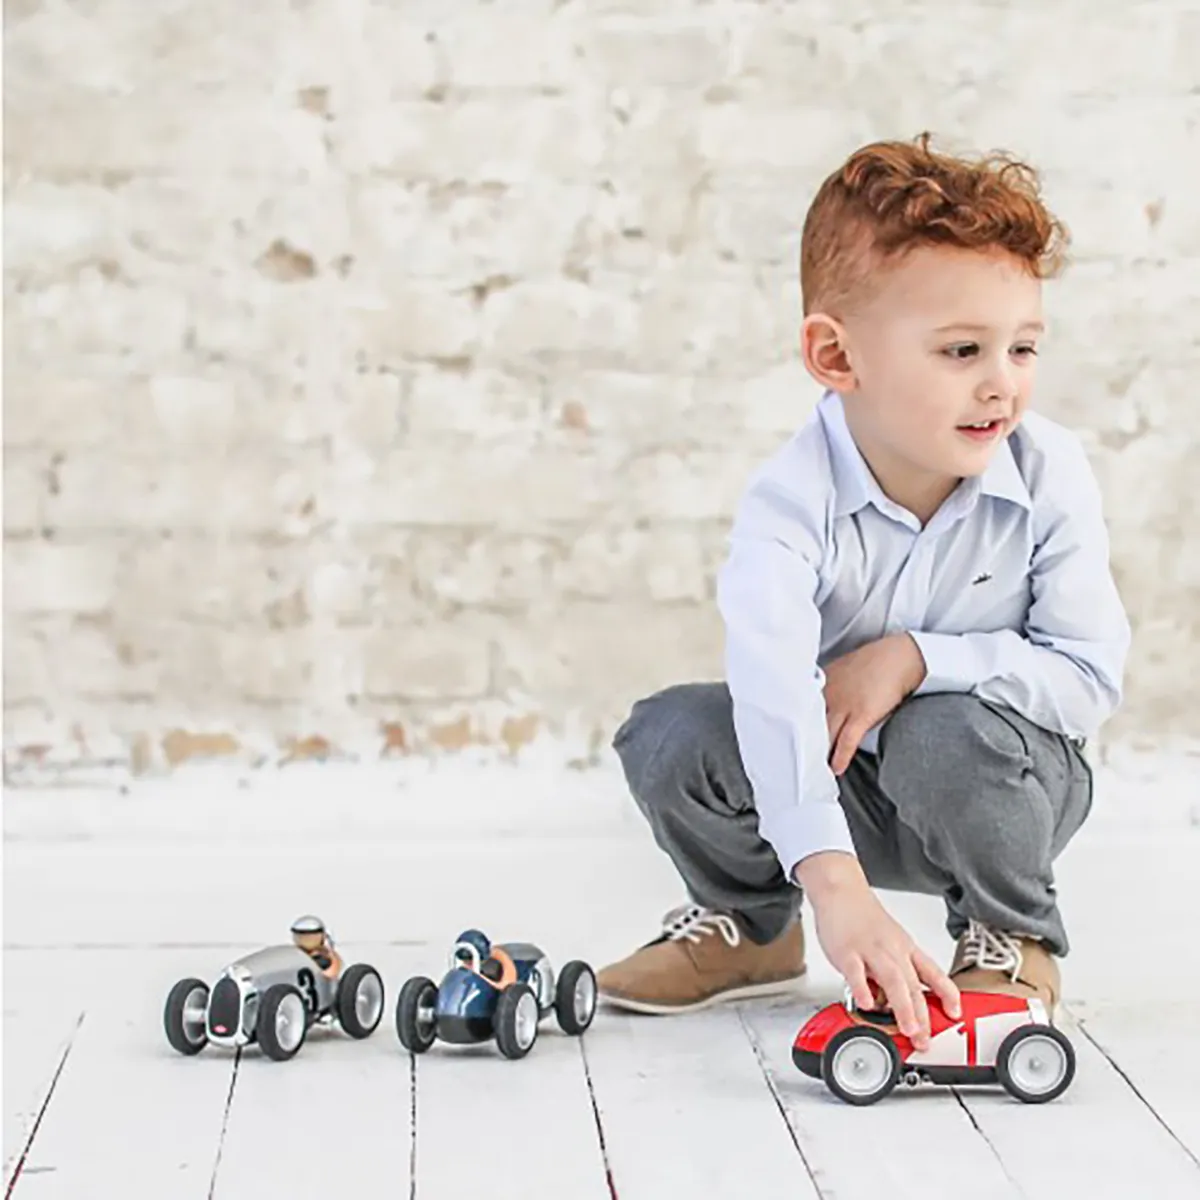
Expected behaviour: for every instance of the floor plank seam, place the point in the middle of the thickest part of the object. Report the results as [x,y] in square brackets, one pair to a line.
[1112,1062]
[778,1099]
[45,1104]
[212,1182]
[988,1142]
[412,1120]
[237,947]
[587,1074]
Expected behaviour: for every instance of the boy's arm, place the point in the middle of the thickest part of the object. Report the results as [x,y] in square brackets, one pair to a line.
[1065,671]
[766,592]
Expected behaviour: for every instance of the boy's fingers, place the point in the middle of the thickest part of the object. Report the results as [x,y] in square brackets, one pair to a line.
[838,758]
[920,1007]
[900,999]
[856,978]
[834,720]
[941,983]
[847,743]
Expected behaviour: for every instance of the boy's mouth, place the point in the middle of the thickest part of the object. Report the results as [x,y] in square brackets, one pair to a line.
[982,431]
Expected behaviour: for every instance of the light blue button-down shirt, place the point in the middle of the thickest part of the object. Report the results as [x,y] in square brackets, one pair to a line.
[1007,591]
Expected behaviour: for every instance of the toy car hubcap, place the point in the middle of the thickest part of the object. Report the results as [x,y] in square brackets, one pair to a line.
[427,1010]
[527,1019]
[862,1066]
[194,1008]
[368,1002]
[585,997]
[1037,1065]
[289,1022]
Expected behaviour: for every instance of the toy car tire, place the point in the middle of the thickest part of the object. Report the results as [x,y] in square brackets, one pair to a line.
[359,1002]
[575,997]
[879,1061]
[416,1014]
[1018,1074]
[182,1012]
[516,1020]
[282,1023]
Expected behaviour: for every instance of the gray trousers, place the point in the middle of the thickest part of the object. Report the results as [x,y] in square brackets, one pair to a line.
[964,799]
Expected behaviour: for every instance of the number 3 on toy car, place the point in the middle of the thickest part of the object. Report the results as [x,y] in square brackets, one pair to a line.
[308,987]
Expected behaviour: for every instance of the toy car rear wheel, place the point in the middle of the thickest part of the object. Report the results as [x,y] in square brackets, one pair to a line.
[282,1023]
[416,1014]
[860,1065]
[360,1000]
[1035,1063]
[575,997]
[185,1014]
[516,1020]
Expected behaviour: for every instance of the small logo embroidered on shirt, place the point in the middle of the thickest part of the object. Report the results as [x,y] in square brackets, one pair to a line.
[981,578]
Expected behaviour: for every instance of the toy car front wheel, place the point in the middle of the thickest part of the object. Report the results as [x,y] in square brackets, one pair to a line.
[1035,1063]
[184,1016]
[282,1021]
[516,1020]
[575,997]
[860,1065]
[416,1014]
[360,1000]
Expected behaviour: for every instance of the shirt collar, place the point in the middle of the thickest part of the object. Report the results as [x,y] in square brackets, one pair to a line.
[1003,478]
[855,486]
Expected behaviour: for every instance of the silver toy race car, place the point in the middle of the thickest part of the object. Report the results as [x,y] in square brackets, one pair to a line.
[274,995]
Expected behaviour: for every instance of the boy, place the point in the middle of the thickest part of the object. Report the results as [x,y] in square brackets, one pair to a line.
[921,626]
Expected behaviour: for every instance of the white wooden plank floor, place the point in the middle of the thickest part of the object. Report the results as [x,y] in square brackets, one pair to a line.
[111,896]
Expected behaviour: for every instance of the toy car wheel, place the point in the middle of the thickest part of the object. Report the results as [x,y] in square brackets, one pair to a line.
[860,1065]
[282,1021]
[184,1016]
[516,1020]
[575,997]
[360,1000]
[1035,1063]
[416,1014]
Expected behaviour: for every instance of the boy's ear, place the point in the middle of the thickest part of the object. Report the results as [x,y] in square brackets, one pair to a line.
[825,347]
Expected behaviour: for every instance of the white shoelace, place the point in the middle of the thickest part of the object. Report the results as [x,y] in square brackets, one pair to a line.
[691,921]
[992,949]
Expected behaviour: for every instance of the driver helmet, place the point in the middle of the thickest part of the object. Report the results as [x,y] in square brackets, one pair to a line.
[477,940]
[309,933]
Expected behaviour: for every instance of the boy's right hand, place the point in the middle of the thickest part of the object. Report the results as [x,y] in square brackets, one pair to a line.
[863,941]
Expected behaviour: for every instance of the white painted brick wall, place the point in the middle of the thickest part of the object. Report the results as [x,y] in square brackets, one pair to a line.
[382,375]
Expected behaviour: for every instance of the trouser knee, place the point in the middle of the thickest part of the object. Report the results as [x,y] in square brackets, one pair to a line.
[951,763]
[679,742]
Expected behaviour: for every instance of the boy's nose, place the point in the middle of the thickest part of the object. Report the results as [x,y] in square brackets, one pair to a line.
[1000,384]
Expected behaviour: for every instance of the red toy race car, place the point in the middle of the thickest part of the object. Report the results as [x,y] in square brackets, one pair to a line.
[861,1055]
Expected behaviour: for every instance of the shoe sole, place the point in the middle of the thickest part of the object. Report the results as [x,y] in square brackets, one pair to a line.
[750,992]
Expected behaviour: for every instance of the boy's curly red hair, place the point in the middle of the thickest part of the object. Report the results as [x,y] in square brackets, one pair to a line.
[890,197]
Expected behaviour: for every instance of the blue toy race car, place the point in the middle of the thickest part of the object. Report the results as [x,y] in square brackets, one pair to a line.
[500,991]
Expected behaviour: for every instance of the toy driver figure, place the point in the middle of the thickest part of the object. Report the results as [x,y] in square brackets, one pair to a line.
[474,939]
[308,933]
[493,963]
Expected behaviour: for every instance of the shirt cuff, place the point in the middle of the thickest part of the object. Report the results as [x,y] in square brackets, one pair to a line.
[810,828]
[951,662]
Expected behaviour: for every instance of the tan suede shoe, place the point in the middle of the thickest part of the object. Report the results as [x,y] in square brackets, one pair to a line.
[702,958]
[1011,964]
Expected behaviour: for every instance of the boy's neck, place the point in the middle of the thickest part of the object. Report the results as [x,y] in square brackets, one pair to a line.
[920,492]
[922,497]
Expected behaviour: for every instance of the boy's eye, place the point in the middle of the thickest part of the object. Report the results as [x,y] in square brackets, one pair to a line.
[1026,348]
[963,350]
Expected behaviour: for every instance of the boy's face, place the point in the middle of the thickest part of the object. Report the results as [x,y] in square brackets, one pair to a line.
[945,342]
